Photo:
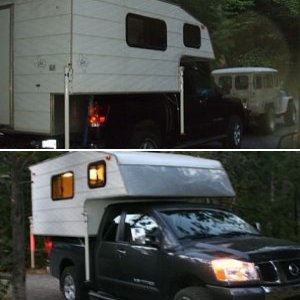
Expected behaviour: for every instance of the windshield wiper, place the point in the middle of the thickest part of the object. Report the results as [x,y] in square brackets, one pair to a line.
[238,233]
[197,236]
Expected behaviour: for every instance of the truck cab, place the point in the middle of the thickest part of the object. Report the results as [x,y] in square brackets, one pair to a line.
[179,251]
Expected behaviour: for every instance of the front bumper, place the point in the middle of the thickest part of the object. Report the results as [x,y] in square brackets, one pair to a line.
[290,292]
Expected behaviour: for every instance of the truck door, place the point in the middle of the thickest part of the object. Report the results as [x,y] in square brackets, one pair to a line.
[5,63]
[139,258]
[108,271]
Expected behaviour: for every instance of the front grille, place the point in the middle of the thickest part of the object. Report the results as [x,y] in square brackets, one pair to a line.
[268,272]
[280,271]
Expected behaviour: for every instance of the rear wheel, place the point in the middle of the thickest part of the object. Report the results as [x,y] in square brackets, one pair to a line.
[193,293]
[72,286]
[290,116]
[268,121]
[145,137]
[234,133]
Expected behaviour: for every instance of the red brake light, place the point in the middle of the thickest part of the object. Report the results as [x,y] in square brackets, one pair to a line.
[48,245]
[98,114]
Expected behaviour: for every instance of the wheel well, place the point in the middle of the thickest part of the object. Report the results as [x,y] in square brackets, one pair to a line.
[183,282]
[64,264]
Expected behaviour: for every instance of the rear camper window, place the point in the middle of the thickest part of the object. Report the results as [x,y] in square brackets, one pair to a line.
[145,32]
[191,36]
[97,174]
[63,186]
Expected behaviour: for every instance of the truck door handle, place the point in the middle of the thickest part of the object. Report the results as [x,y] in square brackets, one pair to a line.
[121,251]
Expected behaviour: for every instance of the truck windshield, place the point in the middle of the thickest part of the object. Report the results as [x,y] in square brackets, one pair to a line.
[199,223]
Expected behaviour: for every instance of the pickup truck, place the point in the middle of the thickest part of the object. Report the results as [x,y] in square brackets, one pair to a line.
[176,251]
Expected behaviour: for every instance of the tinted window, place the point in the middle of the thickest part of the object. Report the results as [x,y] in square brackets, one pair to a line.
[143,221]
[145,32]
[205,223]
[258,82]
[111,228]
[191,36]
[198,80]
[225,82]
[62,186]
[241,82]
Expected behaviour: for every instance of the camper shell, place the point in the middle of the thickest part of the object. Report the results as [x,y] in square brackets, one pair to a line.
[130,177]
[259,90]
[40,38]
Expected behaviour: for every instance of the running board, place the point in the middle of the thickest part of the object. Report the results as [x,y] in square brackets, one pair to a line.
[200,142]
[101,296]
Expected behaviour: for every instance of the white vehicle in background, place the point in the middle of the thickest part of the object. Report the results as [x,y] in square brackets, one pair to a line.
[259,90]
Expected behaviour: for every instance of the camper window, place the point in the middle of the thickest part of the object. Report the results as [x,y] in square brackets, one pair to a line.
[63,186]
[191,36]
[97,174]
[145,32]
[241,82]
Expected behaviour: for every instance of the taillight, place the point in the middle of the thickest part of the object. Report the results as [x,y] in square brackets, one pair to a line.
[98,114]
[48,245]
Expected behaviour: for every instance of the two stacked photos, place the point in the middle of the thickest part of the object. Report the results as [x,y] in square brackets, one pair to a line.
[149,149]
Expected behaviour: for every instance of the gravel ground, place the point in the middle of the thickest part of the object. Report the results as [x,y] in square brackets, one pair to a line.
[42,286]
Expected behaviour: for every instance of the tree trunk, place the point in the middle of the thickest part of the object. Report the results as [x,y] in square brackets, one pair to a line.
[17,219]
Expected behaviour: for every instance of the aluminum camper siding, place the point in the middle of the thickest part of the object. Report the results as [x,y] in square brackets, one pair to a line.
[130,177]
[41,49]
[65,217]
[104,63]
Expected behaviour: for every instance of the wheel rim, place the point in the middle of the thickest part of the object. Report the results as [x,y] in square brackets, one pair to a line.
[237,134]
[69,288]
[148,144]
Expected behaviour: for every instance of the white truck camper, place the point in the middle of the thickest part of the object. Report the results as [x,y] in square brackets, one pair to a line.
[70,193]
[85,48]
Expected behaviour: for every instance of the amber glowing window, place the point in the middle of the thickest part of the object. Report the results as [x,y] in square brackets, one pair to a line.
[63,186]
[97,174]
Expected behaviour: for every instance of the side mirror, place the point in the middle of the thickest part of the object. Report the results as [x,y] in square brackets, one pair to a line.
[290,141]
[258,226]
[138,235]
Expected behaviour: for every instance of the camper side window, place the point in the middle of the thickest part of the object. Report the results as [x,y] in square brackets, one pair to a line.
[97,174]
[191,36]
[145,32]
[63,186]
[241,82]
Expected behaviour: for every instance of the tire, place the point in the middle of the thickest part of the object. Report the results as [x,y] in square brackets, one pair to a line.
[193,293]
[268,121]
[234,133]
[72,285]
[145,137]
[290,116]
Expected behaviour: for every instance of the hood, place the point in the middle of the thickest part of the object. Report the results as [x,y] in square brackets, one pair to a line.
[253,248]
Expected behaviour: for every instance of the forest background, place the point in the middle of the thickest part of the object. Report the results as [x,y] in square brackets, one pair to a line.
[263,33]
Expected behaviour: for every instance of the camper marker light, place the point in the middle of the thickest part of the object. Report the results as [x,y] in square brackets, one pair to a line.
[67,175]
[232,270]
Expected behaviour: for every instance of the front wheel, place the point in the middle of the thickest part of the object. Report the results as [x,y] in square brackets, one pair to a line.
[234,133]
[72,286]
[290,116]
[193,293]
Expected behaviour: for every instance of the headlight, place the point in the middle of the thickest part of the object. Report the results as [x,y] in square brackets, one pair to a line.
[232,270]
